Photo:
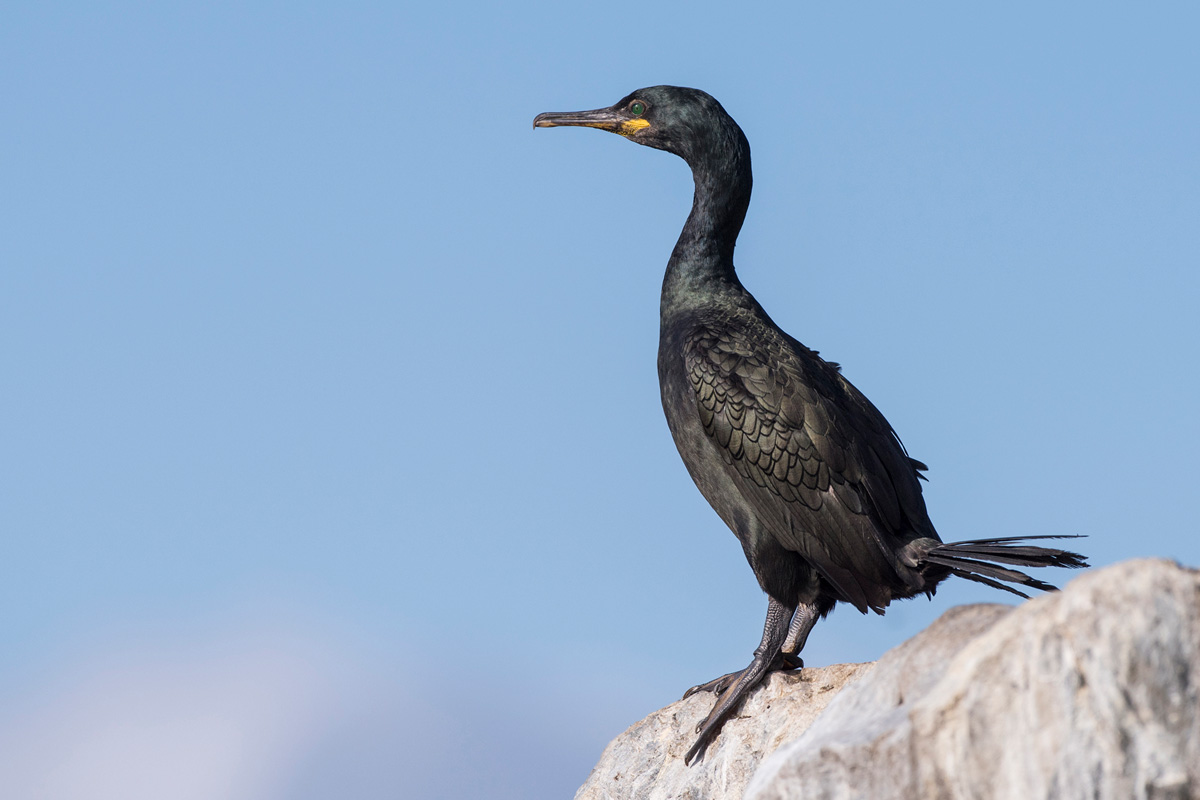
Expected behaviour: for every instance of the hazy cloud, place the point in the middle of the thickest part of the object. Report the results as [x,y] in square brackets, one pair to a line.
[270,714]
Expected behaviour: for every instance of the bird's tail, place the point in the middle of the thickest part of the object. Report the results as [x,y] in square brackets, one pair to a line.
[982,560]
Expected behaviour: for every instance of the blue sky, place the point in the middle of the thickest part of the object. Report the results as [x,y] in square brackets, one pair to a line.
[332,453]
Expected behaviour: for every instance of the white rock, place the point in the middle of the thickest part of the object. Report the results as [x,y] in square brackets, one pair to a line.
[1092,692]
[646,761]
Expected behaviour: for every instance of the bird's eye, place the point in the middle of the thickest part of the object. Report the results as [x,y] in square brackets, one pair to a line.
[638,109]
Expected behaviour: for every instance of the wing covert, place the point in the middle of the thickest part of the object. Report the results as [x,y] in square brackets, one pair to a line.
[801,444]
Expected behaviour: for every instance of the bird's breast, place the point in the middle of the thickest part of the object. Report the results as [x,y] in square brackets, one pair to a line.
[699,455]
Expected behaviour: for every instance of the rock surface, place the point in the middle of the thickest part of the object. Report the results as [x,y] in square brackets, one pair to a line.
[646,761]
[1091,692]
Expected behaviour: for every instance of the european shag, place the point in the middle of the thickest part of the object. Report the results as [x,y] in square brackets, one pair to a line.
[803,469]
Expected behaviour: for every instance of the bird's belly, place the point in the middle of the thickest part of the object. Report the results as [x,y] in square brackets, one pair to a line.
[782,574]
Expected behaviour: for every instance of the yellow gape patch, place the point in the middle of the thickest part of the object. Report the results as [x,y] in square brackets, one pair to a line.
[632,126]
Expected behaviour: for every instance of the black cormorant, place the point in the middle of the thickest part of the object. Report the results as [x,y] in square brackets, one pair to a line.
[798,463]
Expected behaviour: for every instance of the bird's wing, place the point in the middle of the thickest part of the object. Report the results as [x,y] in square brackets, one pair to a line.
[816,460]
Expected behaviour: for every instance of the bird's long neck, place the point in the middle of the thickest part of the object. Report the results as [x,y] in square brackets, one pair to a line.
[702,261]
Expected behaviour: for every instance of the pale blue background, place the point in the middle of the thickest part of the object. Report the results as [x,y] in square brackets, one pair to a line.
[332,456]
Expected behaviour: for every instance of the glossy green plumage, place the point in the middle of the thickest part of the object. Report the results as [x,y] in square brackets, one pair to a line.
[803,469]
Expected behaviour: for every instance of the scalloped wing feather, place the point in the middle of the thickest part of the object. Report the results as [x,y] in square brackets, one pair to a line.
[800,443]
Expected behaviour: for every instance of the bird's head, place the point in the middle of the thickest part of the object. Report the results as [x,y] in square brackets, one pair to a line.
[686,122]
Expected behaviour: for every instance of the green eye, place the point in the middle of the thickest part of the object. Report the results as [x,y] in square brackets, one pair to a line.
[638,109]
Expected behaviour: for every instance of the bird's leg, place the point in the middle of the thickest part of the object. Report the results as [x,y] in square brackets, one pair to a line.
[789,656]
[775,631]
[803,620]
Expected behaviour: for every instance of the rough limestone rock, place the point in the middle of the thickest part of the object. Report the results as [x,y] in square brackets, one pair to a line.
[646,761]
[1092,692]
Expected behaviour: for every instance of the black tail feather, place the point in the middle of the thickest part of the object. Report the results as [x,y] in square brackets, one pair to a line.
[960,565]
[1021,559]
[989,582]
[1031,556]
[979,560]
[1008,539]
[1023,556]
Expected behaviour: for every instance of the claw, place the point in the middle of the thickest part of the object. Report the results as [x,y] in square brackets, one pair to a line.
[768,657]
[717,685]
[742,682]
